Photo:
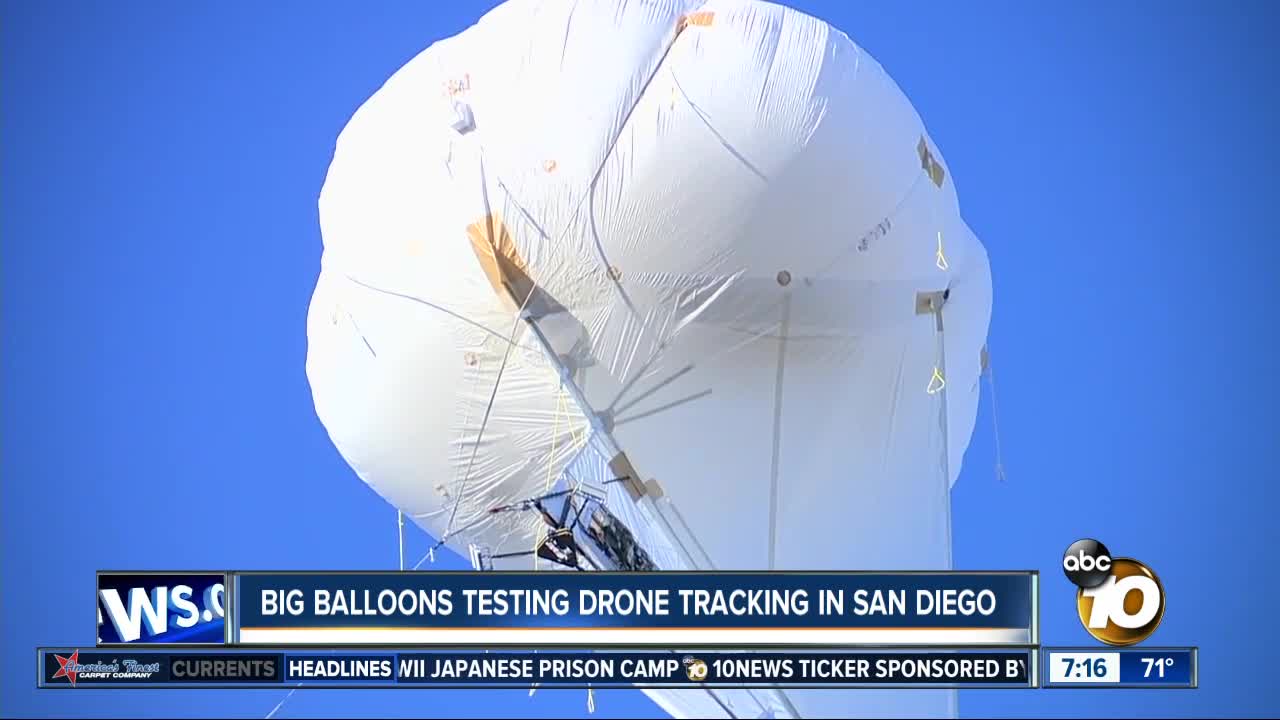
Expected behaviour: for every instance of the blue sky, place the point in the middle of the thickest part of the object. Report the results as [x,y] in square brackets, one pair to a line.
[159,168]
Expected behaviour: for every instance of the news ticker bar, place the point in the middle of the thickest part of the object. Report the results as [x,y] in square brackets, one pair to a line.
[918,668]
[543,610]
[1050,667]
[368,668]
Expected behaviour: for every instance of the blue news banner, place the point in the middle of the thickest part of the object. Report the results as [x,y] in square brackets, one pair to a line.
[445,629]
[515,629]
[530,609]
[720,609]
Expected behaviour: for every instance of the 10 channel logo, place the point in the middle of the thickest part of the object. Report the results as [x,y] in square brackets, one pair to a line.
[1120,600]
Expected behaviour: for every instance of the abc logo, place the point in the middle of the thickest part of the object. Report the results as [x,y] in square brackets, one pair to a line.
[1120,600]
[1087,563]
[695,669]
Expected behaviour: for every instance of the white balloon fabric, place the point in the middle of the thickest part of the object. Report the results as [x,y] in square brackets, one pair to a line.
[707,246]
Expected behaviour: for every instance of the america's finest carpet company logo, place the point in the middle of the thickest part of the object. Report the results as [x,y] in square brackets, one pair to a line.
[116,669]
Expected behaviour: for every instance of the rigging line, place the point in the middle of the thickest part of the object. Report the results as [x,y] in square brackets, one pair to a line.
[777,428]
[289,695]
[431,551]
[280,705]
[666,343]
[663,408]
[667,339]
[421,560]
[934,171]
[493,394]
[722,704]
[706,557]
[906,196]
[724,142]
[562,407]
[639,398]
[589,196]
[475,447]
[500,556]
[555,435]
[427,303]
[577,480]
[578,515]
[939,373]
[579,439]
[995,422]
[788,706]
[939,257]
[640,374]
[944,424]
[484,422]
[466,422]
[283,700]
[710,358]
[944,421]
[610,445]
[356,326]
[779,695]
[400,525]
[637,376]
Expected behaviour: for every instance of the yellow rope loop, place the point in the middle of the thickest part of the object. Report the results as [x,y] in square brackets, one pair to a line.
[936,383]
[555,437]
[941,257]
[576,436]
[562,408]
[578,440]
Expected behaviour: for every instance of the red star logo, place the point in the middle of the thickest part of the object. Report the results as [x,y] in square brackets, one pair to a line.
[69,665]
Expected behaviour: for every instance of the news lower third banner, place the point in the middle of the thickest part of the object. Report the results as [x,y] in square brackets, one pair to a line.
[570,609]
[223,668]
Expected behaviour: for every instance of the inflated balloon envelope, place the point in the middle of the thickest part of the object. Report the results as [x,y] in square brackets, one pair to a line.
[686,282]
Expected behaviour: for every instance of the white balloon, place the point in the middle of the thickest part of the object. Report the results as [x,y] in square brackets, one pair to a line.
[729,224]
